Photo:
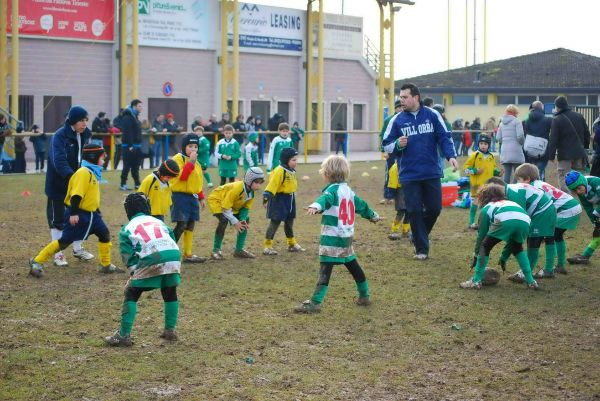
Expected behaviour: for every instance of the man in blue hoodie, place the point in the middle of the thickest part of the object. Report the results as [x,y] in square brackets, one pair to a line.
[64,158]
[131,143]
[414,136]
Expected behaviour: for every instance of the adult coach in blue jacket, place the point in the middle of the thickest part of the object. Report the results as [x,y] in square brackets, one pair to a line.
[414,135]
[64,158]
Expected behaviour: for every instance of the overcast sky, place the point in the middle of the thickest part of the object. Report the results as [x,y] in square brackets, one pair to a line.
[514,28]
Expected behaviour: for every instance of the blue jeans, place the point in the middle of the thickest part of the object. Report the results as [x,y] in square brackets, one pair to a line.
[541,165]
[157,148]
[423,205]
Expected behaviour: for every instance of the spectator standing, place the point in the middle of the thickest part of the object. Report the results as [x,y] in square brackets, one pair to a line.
[39,141]
[172,128]
[211,131]
[250,124]
[569,138]
[197,122]
[64,157]
[131,145]
[341,139]
[537,125]
[297,135]
[414,137]
[511,138]
[259,128]
[457,135]
[475,128]
[4,132]
[490,129]
[467,139]
[158,127]
[595,170]
[240,127]
[20,149]
[99,127]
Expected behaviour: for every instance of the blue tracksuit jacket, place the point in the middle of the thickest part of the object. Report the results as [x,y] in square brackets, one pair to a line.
[426,130]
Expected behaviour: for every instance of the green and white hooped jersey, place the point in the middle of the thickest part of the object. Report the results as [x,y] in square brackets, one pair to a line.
[503,211]
[339,205]
[530,198]
[566,206]
[593,190]
[148,247]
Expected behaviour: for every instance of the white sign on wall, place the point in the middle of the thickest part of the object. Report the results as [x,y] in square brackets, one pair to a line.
[343,36]
[265,27]
[174,23]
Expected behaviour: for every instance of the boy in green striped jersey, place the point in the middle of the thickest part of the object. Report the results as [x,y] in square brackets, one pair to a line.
[539,207]
[499,220]
[568,211]
[339,205]
[587,189]
[152,256]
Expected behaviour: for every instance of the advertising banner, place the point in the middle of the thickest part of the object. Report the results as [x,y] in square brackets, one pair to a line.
[265,27]
[72,19]
[174,23]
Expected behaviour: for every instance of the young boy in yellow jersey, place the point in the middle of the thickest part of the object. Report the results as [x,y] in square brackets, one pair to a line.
[82,216]
[230,204]
[280,200]
[480,167]
[187,196]
[156,188]
[401,218]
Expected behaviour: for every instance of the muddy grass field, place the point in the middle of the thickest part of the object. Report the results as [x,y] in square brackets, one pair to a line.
[422,338]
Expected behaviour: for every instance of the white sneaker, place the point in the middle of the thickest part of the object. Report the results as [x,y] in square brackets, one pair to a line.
[420,256]
[82,254]
[210,185]
[60,260]
[296,248]
[269,251]
[470,285]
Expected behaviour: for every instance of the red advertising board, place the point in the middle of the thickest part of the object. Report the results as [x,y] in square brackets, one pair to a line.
[72,19]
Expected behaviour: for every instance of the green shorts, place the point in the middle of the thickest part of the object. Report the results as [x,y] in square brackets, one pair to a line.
[510,230]
[542,224]
[568,223]
[162,281]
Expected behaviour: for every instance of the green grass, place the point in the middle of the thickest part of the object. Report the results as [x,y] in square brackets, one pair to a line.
[513,344]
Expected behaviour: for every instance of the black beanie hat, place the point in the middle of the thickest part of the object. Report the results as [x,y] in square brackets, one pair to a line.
[76,114]
[169,168]
[189,138]
[561,103]
[92,153]
[286,155]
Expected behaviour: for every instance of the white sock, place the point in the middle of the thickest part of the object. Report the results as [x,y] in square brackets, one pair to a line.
[77,245]
[56,234]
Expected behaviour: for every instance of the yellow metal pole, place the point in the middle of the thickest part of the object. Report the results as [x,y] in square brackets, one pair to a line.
[381,66]
[448,34]
[485,31]
[14,61]
[135,54]
[235,91]
[224,61]
[466,32]
[391,83]
[321,77]
[123,54]
[309,75]
[3,52]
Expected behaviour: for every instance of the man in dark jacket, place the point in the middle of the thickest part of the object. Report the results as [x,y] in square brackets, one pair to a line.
[131,143]
[538,125]
[569,137]
[64,157]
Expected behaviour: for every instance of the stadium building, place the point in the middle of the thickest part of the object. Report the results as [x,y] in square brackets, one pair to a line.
[69,54]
